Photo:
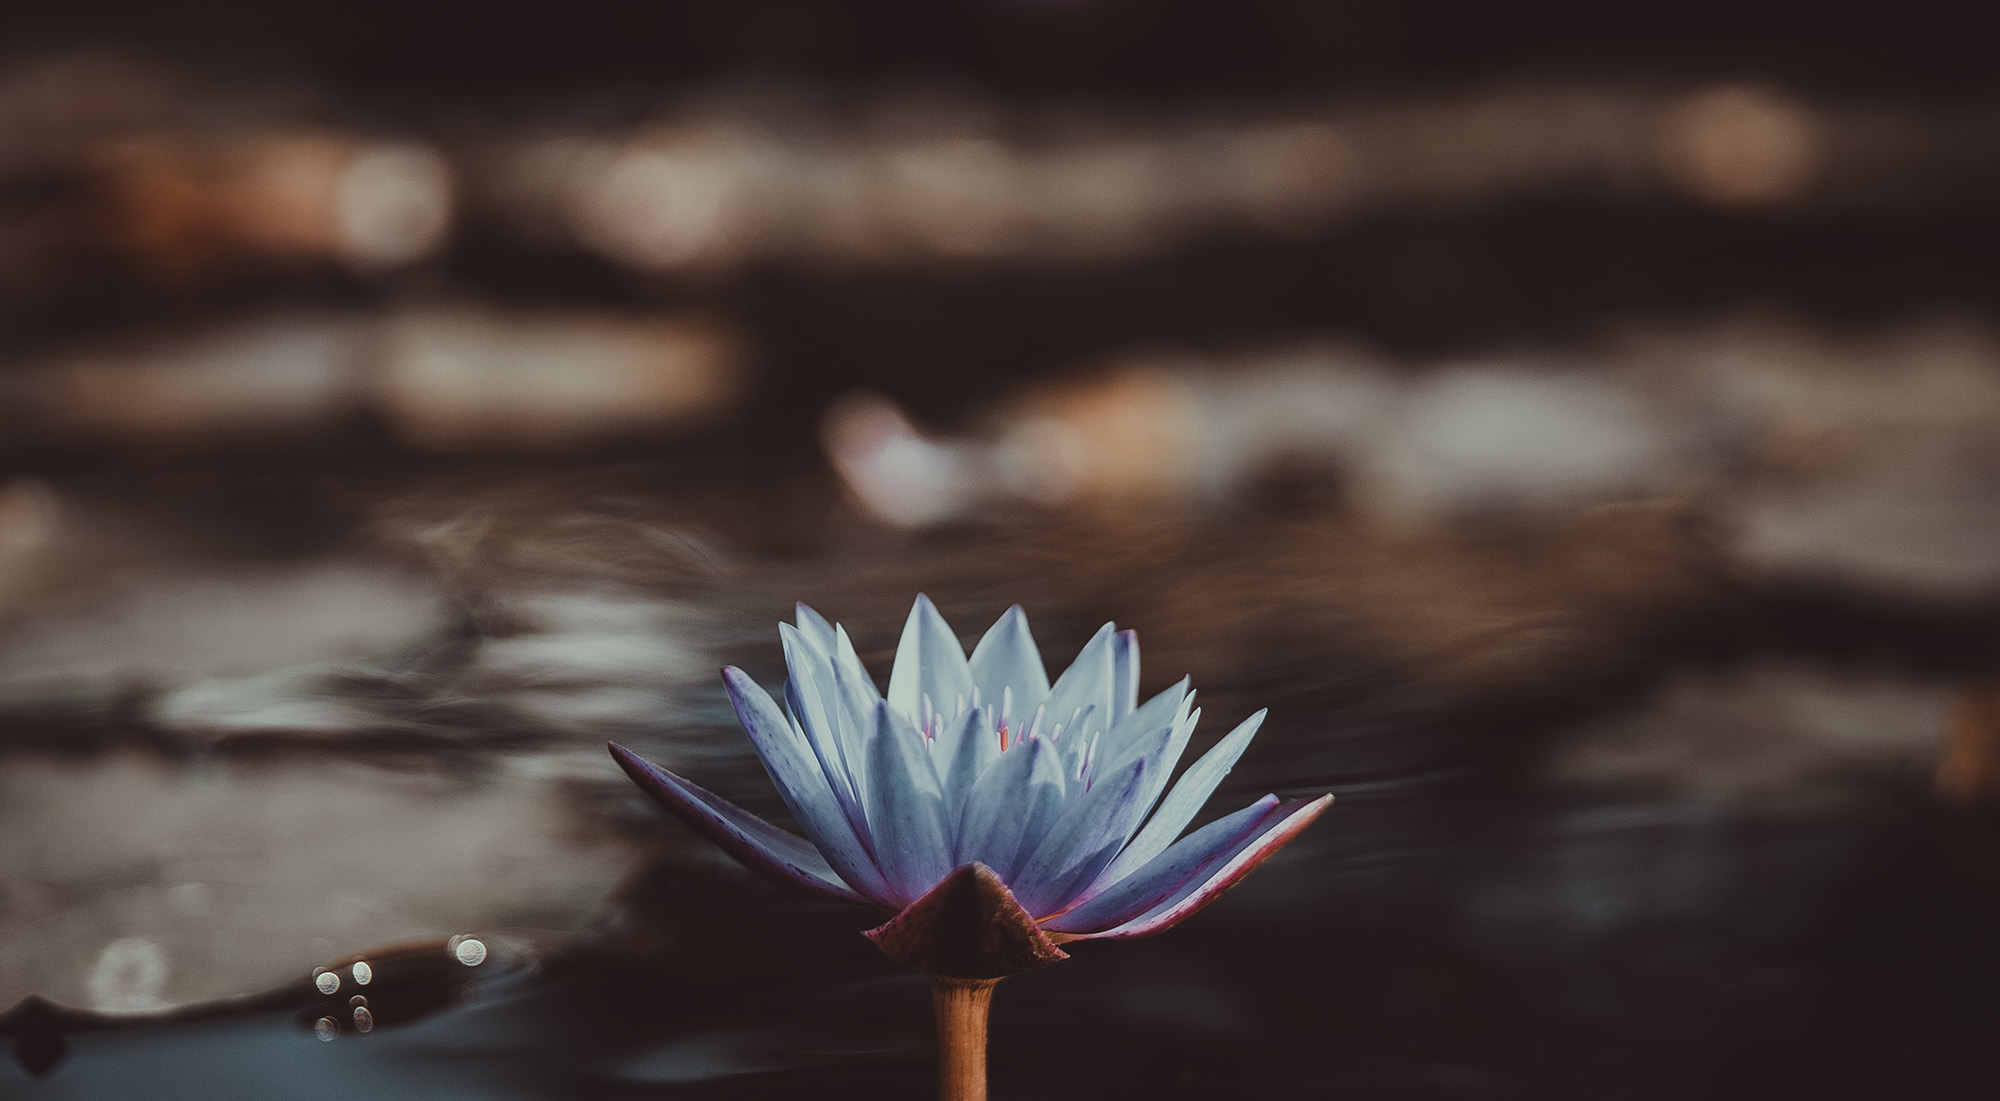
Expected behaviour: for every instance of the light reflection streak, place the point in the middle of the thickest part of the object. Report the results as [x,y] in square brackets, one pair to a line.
[712,185]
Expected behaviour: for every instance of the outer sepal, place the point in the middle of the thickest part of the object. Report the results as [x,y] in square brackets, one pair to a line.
[969,926]
[1216,877]
[757,844]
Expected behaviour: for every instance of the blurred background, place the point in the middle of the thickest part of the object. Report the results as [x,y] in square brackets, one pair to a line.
[1579,424]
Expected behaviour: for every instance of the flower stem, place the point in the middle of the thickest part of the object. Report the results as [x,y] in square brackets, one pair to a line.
[961,1033]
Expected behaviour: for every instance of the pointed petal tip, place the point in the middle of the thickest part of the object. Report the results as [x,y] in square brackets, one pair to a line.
[744,694]
[755,843]
[1291,818]
[634,765]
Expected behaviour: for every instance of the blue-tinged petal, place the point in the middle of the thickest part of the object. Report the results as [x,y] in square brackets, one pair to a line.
[855,699]
[1155,714]
[1085,839]
[840,702]
[811,671]
[1149,721]
[905,807]
[1124,675]
[758,844]
[816,704]
[1072,735]
[845,787]
[850,665]
[1162,747]
[929,662]
[802,782]
[815,628]
[1086,682]
[1007,660]
[963,749]
[1184,801]
[1013,803]
[1164,876]
[1210,882]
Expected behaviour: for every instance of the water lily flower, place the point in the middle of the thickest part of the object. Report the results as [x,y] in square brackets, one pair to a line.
[996,815]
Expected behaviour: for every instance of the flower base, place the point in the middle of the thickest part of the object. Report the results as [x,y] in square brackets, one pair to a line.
[969,926]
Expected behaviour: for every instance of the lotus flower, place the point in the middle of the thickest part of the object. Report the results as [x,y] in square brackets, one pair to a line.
[995,814]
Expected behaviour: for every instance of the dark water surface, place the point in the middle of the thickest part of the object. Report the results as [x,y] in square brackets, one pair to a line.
[1536,880]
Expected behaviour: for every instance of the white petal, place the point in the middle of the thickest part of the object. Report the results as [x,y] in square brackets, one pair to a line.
[803,783]
[1150,717]
[850,663]
[905,807]
[816,703]
[929,662]
[1165,875]
[1085,839]
[1007,660]
[1015,801]
[1218,876]
[815,628]
[1087,681]
[1073,740]
[963,750]
[1161,750]
[1124,675]
[1181,804]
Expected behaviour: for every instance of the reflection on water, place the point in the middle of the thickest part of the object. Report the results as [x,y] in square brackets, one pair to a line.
[1595,793]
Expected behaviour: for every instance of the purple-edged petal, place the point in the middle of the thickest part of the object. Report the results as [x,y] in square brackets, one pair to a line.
[1163,878]
[1013,804]
[1007,665]
[1082,841]
[929,662]
[802,782]
[1184,801]
[751,840]
[905,808]
[1209,884]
